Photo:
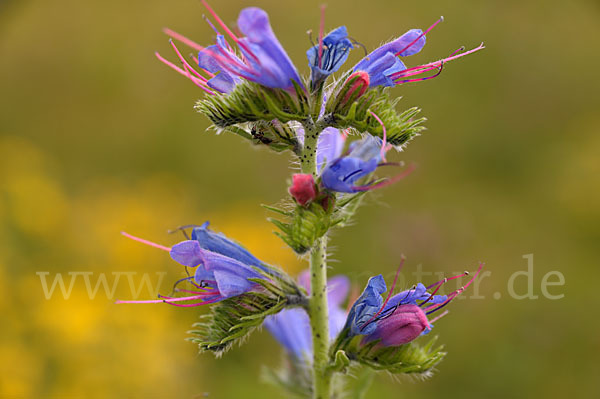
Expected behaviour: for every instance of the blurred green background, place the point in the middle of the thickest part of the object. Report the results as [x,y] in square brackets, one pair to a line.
[97,137]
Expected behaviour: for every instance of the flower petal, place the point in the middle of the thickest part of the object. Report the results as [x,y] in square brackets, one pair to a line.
[187,253]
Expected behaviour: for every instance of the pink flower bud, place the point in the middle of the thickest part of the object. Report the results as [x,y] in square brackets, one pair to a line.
[356,85]
[303,188]
[404,325]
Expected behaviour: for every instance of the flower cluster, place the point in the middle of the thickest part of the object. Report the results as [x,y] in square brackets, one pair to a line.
[341,131]
[222,268]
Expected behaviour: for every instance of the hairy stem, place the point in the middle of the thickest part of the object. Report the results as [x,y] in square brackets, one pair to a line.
[319,320]
[317,303]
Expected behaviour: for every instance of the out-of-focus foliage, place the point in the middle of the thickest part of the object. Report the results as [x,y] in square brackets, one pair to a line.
[99,137]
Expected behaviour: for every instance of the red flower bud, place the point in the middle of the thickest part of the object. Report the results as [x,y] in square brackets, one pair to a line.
[356,85]
[404,325]
[303,188]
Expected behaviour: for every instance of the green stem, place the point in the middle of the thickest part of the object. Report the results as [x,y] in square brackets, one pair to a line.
[319,320]
[317,303]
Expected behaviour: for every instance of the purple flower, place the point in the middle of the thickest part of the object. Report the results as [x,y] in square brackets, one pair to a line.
[365,156]
[385,68]
[383,62]
[402,317]
[259,58]
[222,80]
[334,49]
[291,327]
[219,243]
[366,306]
[223,268]
[329,146]
[342,173]
[219,276]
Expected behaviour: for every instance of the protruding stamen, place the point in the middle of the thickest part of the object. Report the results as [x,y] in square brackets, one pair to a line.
[195,59]
[384,142]
[354,41]
[310,39]
[229,32]
[182,72]
[441,67]
[226,60]
[436,318]
[210,24]
[436,307]
[183,39]
[165,299]
[152,244]
[458,50]
[183,229]
[386,182]
[390,292]
[186,65]
[420,36]
[321,33]
[433,293]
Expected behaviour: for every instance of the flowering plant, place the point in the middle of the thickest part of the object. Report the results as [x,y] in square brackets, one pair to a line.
[341,131]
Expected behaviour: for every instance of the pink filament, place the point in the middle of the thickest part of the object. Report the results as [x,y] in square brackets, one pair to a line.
[152,244]
[321,33]
[185,63]
[166,299]
[210,24]
[434,292]
[212,75]
[184,73]
[387,182]
[455,293]
[383,144]
[438,317]
[440,68]
[229,32]
[432,65]
[446,279]
[420,36]
[225,61]
[391,291]
[183,39]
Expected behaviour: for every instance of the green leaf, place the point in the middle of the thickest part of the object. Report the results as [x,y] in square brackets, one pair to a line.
[232,320]
[303,227]
[251,102]
[410,358]
[400,127]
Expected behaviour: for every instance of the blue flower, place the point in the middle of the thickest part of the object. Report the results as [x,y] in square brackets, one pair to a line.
[366,306]
[334,52]
[385,68]
[383,62]
[222,81]
[219,276]
[269,63]
[219,243]
[341,174]
[329,146]
[400,318]
[370,307]
[291,327]
[223,268]
[259,56]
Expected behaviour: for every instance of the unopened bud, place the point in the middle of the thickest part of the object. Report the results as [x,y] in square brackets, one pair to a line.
[303,188]
[353,88]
